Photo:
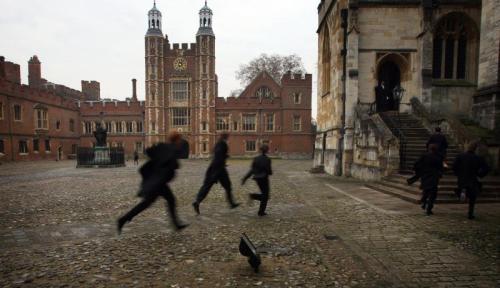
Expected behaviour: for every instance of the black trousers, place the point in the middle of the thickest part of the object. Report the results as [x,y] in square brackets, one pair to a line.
[471,193]
[223,178]
[429,197]
[263,197]
[166,193]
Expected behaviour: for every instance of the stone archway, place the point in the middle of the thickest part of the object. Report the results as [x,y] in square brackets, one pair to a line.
[392,71]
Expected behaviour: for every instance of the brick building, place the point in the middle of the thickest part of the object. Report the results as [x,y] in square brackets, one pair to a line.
[182,95]
[37,121]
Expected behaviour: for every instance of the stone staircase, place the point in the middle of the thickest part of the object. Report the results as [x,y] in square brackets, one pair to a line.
[416,136]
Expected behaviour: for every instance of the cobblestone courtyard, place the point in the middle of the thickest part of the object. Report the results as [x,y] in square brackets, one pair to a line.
[57,229]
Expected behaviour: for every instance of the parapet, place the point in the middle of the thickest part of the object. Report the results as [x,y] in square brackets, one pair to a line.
[188,47]
[296,79]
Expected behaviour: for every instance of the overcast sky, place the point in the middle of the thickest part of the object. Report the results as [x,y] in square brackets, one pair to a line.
[103,40]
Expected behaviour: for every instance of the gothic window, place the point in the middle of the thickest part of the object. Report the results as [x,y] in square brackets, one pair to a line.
[109,127]
[204,147]
[222,122]
[325,61]
[23,147]
[180,90]
[250,146]
[129,127]
[264,92]
[453,51]
[41,119]
[297,123]
[235,126]
[158,23]
[249,122]
[297,97]
[87,129]
[119,127]
[180,116]
[139,127]
[269,122]
[204,126]
[17,112]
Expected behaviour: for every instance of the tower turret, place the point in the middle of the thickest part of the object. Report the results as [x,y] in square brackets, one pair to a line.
[154,21]
[205,21]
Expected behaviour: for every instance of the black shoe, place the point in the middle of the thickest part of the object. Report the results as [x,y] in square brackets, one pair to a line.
[261,214]
[429,213]
[472,217]
[234,205]
[120,223]
[424,205]
[196,207]
[179,227]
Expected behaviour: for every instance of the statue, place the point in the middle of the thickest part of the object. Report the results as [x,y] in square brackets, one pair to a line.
[100,136]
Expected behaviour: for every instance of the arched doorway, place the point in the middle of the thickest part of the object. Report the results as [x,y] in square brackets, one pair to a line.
[389,77]
[184,151]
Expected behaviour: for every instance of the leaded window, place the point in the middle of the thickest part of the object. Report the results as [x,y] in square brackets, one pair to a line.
[222,122]
[452,47]
[180,116]
[250,146]
[269,122]
[249,122]
[41,119]
[264,92]
[129,127]
[297,123]
[23,146]
[180,91]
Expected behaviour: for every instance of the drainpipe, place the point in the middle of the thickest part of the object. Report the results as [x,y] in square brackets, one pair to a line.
[340,167]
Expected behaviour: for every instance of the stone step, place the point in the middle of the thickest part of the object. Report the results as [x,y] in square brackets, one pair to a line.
[414,198]
[447,187]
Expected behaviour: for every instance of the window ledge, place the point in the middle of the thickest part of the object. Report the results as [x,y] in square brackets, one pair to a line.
[24,154]
[452,83]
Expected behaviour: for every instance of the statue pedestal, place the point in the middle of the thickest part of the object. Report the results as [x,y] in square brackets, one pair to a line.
[101,155]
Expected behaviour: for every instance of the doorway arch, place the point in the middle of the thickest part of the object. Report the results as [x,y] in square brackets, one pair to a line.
[391,71]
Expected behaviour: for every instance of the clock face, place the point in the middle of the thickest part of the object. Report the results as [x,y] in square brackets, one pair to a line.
[180,64]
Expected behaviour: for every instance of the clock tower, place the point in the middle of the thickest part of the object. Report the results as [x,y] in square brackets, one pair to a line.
[181,85]
[154,107]
[206,86]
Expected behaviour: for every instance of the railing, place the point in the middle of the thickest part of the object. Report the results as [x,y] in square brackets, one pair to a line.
[100,156]
[403,142]
[457,130]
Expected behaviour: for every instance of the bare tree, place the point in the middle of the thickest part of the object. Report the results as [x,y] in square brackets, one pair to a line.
[276,65]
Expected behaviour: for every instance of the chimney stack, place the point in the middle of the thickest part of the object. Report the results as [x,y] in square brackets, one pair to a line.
[134,89]
[34,72]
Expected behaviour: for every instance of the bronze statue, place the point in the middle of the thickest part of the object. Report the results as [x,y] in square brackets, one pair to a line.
[100,136]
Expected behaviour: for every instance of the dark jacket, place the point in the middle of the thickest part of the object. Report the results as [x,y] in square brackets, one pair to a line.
[440,140]
[430,169]
[261,168]
[220,155]
[468,167]
[159,169]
